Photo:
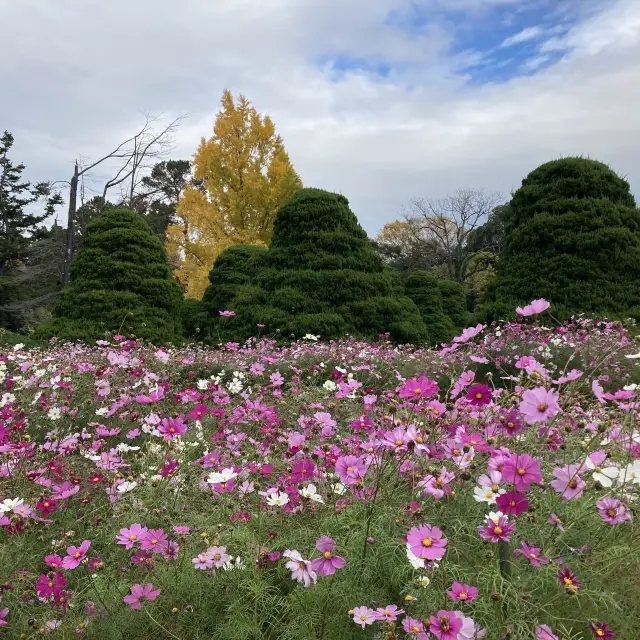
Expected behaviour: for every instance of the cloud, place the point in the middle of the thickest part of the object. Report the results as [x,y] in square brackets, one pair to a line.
[530,33]
[79,74]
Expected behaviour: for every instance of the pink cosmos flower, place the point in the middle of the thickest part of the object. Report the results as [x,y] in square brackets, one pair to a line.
[478,395]
[437,487]
[532,554]
[75,555]
[53,561]
[569,580]
[218,555]
[132,535]
[544,632]
[601,630]
[533,308]
[203,561]
[445,625]
[364,616]
[462,592]
[567,482]
[521,470]
[613,511]
[512,502]
[227,314]
[498,529]
[415,628]
[555,521]
[539,405]
[574,374]
[426,542]
[50,584]
[328,563]
[468,333]
[171,428]
[301,570]
[389,613]
[153,540]
[140,593]
[181,530]
[3,615]
[350,469]
[418,388]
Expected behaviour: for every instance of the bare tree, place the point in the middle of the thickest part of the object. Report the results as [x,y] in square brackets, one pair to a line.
[449,223]
[136,154]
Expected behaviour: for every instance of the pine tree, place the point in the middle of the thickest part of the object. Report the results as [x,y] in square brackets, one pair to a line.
[323,276]
[245,176]
[18,227]
[572,236]
[120,283]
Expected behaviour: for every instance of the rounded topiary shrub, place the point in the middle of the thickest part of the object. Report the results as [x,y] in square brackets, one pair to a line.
[422,288]
[120,283]
[454,303]
[572,236]
[322,276]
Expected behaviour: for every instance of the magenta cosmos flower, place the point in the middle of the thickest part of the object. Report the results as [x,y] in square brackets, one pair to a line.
[75,555]
[415,628]
[468,333]
[445,625]
[364,616]
[512,502]
[389,613]
[154,540]
[427,542]
[327,564]
[350,469]
[227,314]
[532,554]
[418,388]
[521,470]
[533,308]
[569,580]
[171,428]
[497,529]
[462,592]
[539,405]
[3,615]
[568,483]
[613,511]
[140,593]
[478,395]
[601,631]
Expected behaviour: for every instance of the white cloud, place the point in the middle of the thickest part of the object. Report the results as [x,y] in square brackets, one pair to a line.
[530,33]
[78,77]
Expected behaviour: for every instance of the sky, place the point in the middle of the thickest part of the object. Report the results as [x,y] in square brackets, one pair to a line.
[381,100]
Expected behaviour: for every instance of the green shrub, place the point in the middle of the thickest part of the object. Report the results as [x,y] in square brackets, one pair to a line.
[120,283]
[322,276]
[454,303]
[572,236]
[422,287]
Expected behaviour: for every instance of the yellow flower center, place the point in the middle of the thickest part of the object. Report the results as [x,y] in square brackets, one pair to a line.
[497,531]
[521,471]
[398,442]
[462,595]
[419,440]
[568,581]
[611,513]
[76,555]
[132,537]
[478,396]
[327,554]
[349,469]
[154,541]
[494,487]
[172,430]
[573,484]
[417,391]
[542,406]
[427,542]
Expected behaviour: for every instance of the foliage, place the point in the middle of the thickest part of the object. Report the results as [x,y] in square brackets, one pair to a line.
[19,227]
[572,236]
[319,439]
[401,246]
[120,283]
[454,302]
[422,287]
[322,276]
[246,175]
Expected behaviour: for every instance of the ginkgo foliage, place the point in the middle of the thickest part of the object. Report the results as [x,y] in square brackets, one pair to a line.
[246,176]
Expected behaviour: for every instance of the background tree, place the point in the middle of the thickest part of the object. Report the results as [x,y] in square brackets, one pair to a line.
[20,226]
[120,283]
[572,236]
[321,275]
[422,288]
[246,175]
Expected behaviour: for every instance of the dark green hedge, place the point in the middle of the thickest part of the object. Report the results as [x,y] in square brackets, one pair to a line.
[424,289]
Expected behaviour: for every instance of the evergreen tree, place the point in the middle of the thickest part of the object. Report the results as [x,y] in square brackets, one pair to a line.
[422,288]
[120,283]
[322,276]
[572,236]
[19,226]
[454,303]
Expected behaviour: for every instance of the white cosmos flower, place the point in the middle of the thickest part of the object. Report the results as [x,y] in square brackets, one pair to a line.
[311,493]
[223,476]
[127,486]
[605,476]
[495,516]
[278,499]
[54,413]
[17,347]
[423,581]
[414,561]
[338,488]
[203,385]
[486,494]
[631,475]
[9,505]
[633,356]
[330,385]
[234,564]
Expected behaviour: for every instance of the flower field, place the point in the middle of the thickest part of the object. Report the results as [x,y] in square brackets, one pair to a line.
[324,490]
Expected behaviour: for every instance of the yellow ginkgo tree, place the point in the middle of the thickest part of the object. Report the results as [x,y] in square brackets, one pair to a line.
[246,176]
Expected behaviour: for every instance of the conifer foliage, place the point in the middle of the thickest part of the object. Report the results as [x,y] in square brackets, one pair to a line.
[120,283]
[323,276]
[572,236]
[422,288]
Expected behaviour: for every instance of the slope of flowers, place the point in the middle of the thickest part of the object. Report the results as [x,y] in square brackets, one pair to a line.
[324,490]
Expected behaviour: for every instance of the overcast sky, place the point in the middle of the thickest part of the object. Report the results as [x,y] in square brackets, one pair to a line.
[382,100]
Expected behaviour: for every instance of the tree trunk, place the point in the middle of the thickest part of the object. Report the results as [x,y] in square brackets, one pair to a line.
[73,191]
